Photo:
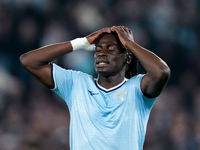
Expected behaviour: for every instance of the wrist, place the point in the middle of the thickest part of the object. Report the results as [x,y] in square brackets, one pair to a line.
[130,44]
[81,43]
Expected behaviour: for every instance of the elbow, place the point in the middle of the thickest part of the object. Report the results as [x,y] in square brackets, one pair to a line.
[23,60]
[164,73]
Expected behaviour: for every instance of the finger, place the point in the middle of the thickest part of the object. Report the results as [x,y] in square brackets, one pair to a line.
[100,32]
[113,26]
[126,29]
[114,29]
[120,28]
[107,29]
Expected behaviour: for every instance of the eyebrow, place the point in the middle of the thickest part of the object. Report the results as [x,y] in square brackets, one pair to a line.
[100,45]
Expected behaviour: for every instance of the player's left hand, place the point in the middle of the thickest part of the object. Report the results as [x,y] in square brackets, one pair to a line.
[125,35]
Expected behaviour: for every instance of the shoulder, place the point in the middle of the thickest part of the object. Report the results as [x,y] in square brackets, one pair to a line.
[136,79]
[63,71]
[134,85]
[135,82]
[61,75]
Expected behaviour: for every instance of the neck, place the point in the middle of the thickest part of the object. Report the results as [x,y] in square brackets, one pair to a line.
[109,82]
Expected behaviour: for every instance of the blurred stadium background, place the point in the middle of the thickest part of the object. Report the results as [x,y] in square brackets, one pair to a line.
[34,118]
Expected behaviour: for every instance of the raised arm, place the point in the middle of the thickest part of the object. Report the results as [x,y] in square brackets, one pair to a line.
[37,62]
[158,72]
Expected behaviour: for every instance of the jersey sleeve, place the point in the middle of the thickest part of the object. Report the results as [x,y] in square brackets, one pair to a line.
[148,102]
[62,81]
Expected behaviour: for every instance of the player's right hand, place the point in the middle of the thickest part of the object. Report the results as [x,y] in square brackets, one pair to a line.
[94,36]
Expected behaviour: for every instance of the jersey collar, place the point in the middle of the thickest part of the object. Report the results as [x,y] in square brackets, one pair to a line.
[112,88]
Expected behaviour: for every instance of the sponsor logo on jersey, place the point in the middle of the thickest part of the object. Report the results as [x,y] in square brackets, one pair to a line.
[93,93]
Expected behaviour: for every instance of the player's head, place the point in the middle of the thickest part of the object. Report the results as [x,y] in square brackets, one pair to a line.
[111,57]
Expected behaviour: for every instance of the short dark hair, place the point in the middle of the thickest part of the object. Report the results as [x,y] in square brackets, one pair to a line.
[132,68]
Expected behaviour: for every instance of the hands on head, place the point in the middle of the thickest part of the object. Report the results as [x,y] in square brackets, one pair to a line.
[123,33]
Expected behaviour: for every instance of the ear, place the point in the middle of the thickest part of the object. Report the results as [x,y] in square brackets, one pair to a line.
[128,57]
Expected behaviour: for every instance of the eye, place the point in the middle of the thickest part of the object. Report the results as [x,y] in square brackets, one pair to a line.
[112,48]
[97,49]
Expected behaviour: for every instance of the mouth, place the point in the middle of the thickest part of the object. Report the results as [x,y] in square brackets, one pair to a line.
[101,63]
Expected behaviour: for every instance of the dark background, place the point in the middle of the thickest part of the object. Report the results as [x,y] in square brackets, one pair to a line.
[33,118]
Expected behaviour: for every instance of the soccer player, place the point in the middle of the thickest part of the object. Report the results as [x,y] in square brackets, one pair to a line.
[112,111]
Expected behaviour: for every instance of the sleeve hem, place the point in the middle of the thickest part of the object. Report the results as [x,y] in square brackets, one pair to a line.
[53,87]
[145,97]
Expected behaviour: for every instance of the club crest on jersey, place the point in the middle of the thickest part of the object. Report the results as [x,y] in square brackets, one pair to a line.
[121,96]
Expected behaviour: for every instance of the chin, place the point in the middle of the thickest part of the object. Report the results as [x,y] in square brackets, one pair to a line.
[103,73]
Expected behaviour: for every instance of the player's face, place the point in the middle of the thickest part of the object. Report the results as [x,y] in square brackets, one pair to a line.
[109,60]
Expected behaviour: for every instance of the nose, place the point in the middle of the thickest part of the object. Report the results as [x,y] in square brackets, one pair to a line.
[102,52]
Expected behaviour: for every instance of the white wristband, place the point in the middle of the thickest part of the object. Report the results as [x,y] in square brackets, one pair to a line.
[82,43]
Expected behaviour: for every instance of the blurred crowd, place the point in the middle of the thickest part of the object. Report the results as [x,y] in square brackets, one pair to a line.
[33,118]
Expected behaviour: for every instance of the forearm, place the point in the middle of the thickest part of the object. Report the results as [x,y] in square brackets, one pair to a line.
[158,72]
[154,65]
[45,55]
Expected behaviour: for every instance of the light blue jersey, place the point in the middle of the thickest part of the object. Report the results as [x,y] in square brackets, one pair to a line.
[100,119]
